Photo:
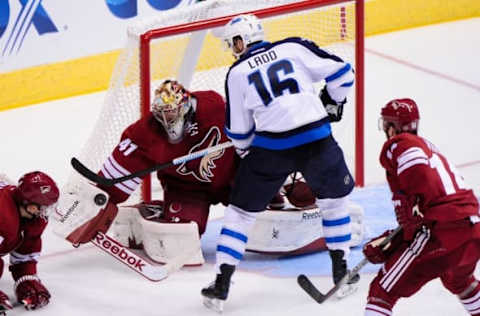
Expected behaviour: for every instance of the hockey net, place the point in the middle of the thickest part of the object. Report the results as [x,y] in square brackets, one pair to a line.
[184,44]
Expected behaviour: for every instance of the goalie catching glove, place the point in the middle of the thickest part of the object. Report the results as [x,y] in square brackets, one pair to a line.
[334,109]
[100,223]
[83,210]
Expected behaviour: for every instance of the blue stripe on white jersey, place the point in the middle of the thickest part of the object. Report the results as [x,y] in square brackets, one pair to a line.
[240,136]
[342,71]
[294,138]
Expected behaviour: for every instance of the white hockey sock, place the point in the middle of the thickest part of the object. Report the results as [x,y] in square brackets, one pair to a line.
[375,310]
[336,223]
[232,242]
[471,301]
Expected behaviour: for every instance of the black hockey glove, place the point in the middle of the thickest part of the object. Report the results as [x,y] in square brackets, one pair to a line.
[334,109]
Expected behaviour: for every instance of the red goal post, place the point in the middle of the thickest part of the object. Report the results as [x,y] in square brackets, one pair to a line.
[184,44]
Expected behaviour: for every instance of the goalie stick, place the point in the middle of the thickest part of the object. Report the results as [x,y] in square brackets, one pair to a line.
[148,270]
[319,297]
[92,176]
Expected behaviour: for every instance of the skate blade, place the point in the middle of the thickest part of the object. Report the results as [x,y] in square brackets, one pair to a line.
[346,290]
[214,304]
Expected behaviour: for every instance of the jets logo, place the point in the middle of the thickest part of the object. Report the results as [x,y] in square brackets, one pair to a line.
[202,169]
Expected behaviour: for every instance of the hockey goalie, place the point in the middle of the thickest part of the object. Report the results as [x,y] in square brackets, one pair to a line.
[182,122]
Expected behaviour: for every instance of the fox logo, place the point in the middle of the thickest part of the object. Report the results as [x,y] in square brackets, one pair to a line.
[202,169]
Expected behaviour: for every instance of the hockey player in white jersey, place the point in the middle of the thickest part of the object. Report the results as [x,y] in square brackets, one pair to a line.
[280,125]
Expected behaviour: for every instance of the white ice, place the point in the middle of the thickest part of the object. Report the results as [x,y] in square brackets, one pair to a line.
[435,65]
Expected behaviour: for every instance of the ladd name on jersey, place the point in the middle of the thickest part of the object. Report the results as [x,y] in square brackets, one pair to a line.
[262,59]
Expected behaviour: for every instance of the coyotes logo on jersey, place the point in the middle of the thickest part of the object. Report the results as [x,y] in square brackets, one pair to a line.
[202,168]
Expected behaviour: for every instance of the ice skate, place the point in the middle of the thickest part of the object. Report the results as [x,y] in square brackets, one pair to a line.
[339,271]
[215,294]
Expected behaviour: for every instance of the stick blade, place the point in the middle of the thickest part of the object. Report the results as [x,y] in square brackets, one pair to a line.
[310,289]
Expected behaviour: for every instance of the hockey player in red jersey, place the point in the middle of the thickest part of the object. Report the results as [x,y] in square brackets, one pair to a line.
[23,218]
[180,122]
[438,214]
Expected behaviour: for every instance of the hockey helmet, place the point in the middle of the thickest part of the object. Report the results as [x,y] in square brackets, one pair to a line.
[171,104]
[247,27]
[37,188]
[402,114]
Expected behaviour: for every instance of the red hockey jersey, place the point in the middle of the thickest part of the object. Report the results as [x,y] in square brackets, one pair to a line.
[21,238]
[145,143]
[415,167]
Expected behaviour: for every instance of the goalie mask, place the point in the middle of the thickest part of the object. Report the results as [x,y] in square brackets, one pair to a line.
[246,27]
[402,114]
[39,189]
[171,106]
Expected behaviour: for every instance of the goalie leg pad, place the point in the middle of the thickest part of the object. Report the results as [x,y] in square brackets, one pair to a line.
[289,231]
[163,242]
[296,231]
[357,215]
[140,227]
[126,228]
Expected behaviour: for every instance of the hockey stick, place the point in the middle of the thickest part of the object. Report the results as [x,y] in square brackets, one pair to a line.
[314,293]
[92,176]
[148,270]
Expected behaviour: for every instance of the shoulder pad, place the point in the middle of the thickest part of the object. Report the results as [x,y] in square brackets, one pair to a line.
[396,146]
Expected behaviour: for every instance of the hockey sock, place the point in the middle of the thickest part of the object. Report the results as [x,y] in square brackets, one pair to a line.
[336,224]
[378,307]
[471,300]
[232,242]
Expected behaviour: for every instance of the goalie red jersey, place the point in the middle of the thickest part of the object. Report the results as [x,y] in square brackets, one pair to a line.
[416,168]
[146,143]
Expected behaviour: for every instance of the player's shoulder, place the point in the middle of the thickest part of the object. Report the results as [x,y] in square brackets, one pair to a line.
[210,108]
[305,44]
[9,216]
[209,98]
[145,132]
[403,143]
[6,195]
[295,40]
